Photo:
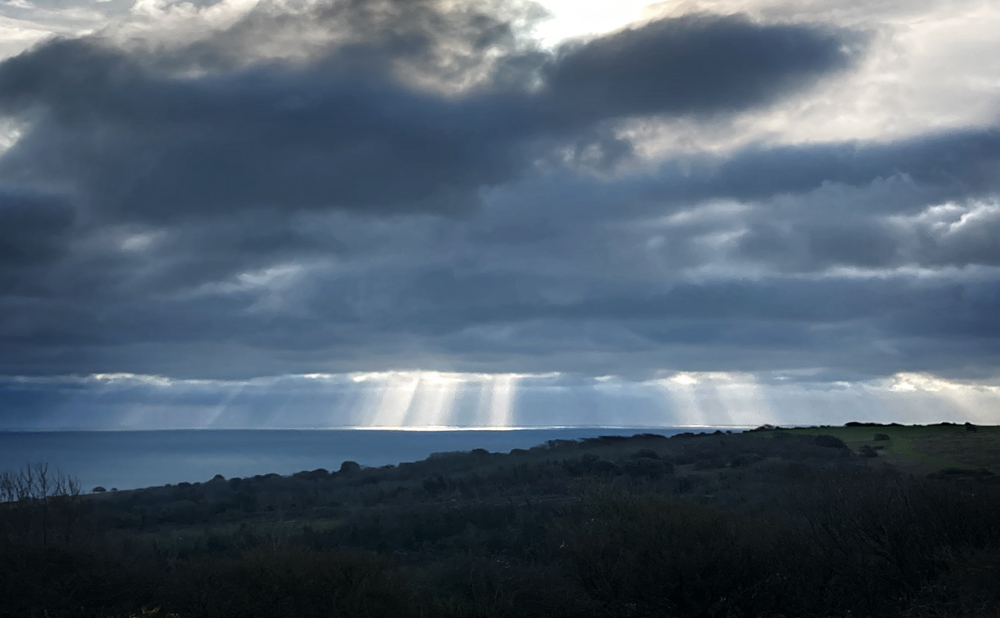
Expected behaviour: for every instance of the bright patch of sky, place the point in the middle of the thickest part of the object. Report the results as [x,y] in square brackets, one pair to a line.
[420,400]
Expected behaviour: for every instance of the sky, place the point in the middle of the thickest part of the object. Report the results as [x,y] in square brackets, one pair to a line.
[427,213]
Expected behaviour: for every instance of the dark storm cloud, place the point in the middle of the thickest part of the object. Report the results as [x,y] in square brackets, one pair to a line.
[343,132]
[436,318]
[693,65]
[871,207]
[220,214]
[954,164]
[34,228]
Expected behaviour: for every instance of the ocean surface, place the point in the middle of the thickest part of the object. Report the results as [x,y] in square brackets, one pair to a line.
[131,459]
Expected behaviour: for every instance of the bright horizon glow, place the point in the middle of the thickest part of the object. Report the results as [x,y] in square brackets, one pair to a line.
[437,401]
[427,398]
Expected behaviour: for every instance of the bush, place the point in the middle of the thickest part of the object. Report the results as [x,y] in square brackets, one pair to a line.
[828,441]
[292,583]
[646,467]
[709,463]
[745,459]
[349,467]
[606,467]
[499,587]
[646,556]
[881,437]
[645,453]
[867,451]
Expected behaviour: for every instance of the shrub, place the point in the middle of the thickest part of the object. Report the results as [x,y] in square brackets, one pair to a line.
[349,467]
[645,453]
[881,437]
[867,451]
[709,463]
[646,467]
[499,587]
[829,441]
[744,459]
[290,582]
[647,556]
[981,472]
[606,467]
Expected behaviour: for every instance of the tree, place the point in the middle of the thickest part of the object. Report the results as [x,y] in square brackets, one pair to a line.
[34,499]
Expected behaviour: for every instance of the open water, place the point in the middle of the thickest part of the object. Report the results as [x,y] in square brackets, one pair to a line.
[131,459]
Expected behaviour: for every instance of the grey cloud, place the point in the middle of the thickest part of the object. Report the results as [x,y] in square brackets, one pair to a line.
[953,164]
[33,228]
[691,65]
[279,217]
[137,143]
[810,208]
[958,234]
[947,235]
[435,318]
[458,294]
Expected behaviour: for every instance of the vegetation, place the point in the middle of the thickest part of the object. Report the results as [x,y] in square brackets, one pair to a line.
[765,523]
[920,449]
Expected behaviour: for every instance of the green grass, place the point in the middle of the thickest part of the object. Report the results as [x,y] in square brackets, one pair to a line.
[924,448]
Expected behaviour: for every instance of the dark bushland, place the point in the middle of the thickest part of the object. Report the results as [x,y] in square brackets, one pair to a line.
[699,526]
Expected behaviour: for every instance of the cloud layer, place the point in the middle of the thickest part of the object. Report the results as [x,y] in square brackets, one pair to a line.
[227,191]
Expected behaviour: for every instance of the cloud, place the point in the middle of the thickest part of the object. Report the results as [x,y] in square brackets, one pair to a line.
[696,64]
[293,188]
[423,399]
[137,142]
[34,228]
[955,163]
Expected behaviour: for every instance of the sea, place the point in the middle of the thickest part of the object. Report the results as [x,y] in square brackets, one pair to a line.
[134,459]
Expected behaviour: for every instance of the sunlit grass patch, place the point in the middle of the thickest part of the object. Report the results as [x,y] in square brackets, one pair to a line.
[923,447]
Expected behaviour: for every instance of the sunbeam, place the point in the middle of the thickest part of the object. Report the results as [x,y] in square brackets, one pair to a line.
[680,392]
[742,398]
[928,398]
[432,399]
[393,398]
[503,388]
[432,406]
[717,398]
[234,391]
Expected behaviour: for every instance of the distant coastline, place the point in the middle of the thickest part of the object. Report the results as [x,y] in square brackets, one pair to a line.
[130,459]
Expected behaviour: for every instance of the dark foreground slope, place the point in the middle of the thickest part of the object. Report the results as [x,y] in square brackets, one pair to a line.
[758,524]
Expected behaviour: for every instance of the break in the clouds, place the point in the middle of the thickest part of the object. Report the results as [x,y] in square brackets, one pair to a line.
[218,193]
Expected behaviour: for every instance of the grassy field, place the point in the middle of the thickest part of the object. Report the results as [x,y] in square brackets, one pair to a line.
[923,448]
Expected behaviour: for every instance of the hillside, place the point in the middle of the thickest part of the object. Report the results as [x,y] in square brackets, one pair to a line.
[921,449]
[805,522]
